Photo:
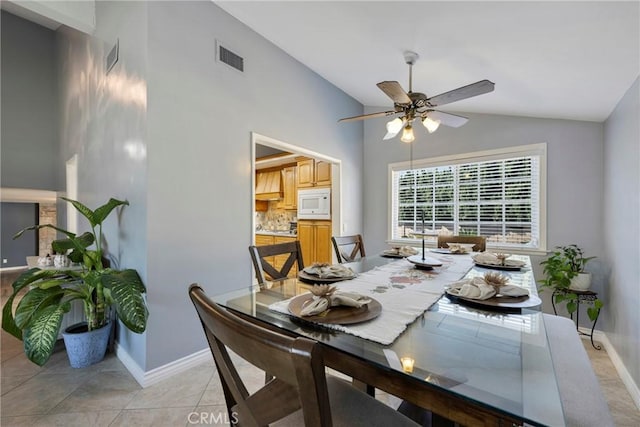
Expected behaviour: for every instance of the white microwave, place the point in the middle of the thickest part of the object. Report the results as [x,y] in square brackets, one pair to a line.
[314,203]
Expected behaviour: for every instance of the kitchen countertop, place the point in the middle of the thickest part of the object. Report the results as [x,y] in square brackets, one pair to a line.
[286,233]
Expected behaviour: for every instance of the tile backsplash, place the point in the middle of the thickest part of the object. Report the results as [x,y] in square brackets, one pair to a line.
[274,219]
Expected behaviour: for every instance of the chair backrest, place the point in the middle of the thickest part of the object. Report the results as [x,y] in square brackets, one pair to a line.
[266,270]
[296,365]
[348,247]
[480,243]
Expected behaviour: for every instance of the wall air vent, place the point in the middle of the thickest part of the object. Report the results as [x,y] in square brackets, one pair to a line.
[230,58]
[112,56]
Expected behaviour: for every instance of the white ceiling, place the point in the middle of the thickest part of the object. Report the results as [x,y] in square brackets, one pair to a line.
[566,60]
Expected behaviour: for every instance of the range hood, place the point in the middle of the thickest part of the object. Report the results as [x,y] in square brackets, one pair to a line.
[269,185]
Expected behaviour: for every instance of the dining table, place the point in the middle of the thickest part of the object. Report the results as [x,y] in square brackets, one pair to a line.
[471,362]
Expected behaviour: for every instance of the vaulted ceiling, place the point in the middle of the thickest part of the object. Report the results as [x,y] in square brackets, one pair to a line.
[566,60]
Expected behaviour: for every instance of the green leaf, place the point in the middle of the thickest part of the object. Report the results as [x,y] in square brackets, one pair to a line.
[126,290]
[34,302]
[38,227]
[33,277]
[594,311]
[100,214]
[40,338]
[85,240]
[572,306]
[8,322]
[85,211]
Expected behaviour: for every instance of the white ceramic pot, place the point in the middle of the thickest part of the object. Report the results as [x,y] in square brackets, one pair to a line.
[61,261]
[45,261]
[581,282]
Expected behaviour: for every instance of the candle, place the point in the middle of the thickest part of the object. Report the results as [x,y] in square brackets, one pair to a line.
[407,364]
[422,234]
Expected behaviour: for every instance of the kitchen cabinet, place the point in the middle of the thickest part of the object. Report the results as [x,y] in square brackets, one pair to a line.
[290,184]
[315,241]
[313,173]
[262,205]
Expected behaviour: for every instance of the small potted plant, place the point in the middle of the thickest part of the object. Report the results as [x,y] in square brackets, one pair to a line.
[564,273]
[50,291]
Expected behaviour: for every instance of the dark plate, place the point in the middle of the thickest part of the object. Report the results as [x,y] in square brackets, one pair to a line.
[499,267]
[310,278]
[337,315]
[386,255]
[427,262]
[505,304]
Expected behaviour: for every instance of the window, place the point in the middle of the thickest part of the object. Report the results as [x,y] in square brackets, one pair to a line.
[497,194]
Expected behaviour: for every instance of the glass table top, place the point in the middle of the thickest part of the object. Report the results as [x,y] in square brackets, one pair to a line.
[497,359]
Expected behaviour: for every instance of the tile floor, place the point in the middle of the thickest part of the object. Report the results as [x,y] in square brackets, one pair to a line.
[106,395]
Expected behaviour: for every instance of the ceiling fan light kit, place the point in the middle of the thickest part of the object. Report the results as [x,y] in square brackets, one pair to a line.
[393,127]
[407,134]
[415,105]
[430,124]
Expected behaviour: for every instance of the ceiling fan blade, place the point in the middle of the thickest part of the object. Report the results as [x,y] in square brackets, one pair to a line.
[447,119]
[368,116]
[464,92]
[395,92]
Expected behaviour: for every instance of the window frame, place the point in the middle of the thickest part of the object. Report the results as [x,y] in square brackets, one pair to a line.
[539,150]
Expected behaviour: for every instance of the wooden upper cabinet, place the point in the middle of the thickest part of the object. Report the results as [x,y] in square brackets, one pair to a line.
[289,179]
[313,173]
[306,174]
[323,174]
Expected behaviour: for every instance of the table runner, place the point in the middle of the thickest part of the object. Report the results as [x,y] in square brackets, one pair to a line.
[404,292]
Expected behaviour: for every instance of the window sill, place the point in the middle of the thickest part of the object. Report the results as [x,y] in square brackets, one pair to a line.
[490,248]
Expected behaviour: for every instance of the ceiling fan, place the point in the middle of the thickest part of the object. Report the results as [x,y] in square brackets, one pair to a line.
[415,105]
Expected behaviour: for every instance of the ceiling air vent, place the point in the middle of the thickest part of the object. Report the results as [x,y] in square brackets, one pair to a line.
[230,58]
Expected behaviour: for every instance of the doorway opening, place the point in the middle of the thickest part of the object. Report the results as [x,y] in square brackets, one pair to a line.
[269,154]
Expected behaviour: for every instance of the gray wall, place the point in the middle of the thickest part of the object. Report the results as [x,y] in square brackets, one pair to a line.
[622,229]
[15,217]
[29,130]
[574,174]
[200,116]
[103,121]
[181,155]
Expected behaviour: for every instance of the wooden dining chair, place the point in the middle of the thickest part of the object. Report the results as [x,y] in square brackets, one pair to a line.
[480,243]
[274,262]
[300,392]
[348,247]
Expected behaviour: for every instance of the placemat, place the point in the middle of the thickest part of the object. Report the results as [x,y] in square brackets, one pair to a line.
[403,291]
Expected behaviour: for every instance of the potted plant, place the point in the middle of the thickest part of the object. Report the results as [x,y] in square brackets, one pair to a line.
[37,318]
[564,273]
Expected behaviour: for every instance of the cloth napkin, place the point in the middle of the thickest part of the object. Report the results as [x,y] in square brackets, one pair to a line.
[320,303]
[460,248]
[492,259]
[403,251]
[478,288]
[327,271]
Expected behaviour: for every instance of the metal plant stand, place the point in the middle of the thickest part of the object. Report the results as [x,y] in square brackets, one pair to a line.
[584,297]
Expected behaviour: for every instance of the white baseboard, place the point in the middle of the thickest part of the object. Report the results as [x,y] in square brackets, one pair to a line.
[626,378]
[145,379]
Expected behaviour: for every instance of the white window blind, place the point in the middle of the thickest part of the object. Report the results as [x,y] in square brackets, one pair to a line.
[496,194]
